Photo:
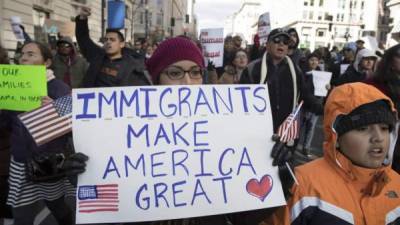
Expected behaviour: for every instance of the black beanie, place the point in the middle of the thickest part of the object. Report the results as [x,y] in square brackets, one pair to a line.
[370,113]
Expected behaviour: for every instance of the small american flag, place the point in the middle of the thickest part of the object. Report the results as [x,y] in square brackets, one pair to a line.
[289,129]
[98,198]
[49,121]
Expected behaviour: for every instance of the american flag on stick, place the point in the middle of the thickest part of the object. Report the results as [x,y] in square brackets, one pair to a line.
[290,128]
[49,121]
[98,198]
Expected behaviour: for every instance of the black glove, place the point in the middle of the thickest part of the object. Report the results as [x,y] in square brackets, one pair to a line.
[210,65]
[22,28]
[282,156]
[281,153]
[74,165]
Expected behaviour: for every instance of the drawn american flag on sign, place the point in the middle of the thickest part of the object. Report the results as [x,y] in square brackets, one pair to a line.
[290,128]
[49,121]
[98,198]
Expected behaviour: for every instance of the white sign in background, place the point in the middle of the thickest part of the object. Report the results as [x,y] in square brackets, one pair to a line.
[212,41]
[264,27]
[212,156]
[320,80]
[15,25]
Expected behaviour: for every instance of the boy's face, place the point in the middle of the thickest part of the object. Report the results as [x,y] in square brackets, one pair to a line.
[366,146]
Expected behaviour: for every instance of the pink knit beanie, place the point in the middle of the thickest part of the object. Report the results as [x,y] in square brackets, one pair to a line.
[171,51]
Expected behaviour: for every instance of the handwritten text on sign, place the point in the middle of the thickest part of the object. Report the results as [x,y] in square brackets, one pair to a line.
[212,41]
[22,86]
[172,152]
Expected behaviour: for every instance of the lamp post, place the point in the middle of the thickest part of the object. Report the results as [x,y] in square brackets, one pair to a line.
[146,21]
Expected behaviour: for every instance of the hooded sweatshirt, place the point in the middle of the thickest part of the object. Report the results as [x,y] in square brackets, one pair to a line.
[332,190]
[353,73]
[72,68]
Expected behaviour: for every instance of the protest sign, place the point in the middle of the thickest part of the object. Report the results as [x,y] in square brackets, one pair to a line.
[15,26]
[116,14]
[22,86]
[168,152]
[320,80]
[343,68]
[264,27]
[212,41]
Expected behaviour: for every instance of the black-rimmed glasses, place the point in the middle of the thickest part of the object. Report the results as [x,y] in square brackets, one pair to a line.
[177,73]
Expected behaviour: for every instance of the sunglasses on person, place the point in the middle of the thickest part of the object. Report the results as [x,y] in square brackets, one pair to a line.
[64,45]
[281,39]
[177,73]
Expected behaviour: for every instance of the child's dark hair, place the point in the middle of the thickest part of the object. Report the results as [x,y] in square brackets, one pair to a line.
[4,56]
[44,49]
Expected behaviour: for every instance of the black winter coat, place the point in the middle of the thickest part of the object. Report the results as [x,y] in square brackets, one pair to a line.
[131,72]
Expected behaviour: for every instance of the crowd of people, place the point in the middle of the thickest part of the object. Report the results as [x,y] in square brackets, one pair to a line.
[348,175]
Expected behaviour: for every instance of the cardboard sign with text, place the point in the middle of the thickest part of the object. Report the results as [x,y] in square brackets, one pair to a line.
[22,86]
[169,152]
[212,41]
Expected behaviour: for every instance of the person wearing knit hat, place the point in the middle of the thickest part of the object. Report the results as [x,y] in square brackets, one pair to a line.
[355,172]
[176,61]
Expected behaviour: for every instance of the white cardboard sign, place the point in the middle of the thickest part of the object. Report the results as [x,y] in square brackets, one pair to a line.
[212,41]
[264,27]
[169,152]
[15,22]
[343,68]
[320,80]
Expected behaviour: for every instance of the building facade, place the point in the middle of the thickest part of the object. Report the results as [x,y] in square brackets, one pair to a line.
[319,22]
[244,21]
[44,20]
[394,35]
[158,19]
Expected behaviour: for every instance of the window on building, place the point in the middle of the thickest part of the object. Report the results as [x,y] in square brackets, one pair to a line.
[150,19]
[321,32]
[342,17]
[362,5]
[320,14]
[355,4]
[159,19]
[311,2]
[311,15]
[351,4]
[338,17]
[305,15]
[39,32]
[305,3]
[127,12]
[321,2]
[141,17]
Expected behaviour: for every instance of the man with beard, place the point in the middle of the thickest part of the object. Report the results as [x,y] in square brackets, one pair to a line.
[294,52]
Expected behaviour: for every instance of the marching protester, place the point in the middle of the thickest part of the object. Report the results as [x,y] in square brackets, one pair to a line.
[294,52]
[286,87]
[29,184]
[67,65]
[233,71]
[348,50]
[360,133]
[310,128]
[362,68]
[387,80]
[111,65]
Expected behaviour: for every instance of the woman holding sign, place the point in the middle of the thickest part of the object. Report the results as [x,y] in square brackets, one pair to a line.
[33,169]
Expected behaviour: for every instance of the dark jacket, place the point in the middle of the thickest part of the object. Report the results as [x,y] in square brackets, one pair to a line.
[73,66]
[280,88]
[4,145]
[22,144]
[349,76]
[131,72]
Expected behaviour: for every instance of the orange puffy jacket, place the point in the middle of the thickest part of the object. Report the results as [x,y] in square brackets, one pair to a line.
[332,190]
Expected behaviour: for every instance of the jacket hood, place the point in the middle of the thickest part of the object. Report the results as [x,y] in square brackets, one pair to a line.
[341,101]
[363,53]
[290,30]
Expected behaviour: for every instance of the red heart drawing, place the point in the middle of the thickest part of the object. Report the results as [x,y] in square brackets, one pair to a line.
[260,189]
